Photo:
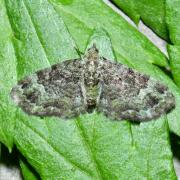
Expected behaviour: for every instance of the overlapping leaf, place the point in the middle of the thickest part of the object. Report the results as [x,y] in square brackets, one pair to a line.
[152,13]
[173,23]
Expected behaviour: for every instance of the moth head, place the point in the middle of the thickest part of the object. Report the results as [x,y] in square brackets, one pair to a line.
[92,54]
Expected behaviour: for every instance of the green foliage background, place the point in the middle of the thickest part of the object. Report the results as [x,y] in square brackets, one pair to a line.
[38,33]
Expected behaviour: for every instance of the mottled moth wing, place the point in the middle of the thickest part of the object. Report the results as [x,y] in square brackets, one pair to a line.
[127,94]
[52,91]
[73,87]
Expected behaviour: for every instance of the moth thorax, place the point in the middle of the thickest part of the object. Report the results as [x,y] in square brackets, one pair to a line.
[91,81]
[92,93]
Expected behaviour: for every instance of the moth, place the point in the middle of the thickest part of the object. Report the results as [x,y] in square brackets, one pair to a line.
[92,82]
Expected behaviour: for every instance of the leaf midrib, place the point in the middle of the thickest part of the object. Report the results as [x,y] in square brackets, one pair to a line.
[89,148]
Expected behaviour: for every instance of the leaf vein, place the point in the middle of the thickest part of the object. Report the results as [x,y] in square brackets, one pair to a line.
[36,31]
[89,148]
[72,163]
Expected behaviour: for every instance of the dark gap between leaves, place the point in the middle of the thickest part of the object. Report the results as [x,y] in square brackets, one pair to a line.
[175,145]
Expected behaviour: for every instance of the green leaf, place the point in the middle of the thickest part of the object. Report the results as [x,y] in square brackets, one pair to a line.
[7,79]
[152,13]
[91,146]
[99,149]
[27,171]
[174,57]
[173,24]
[172,20]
